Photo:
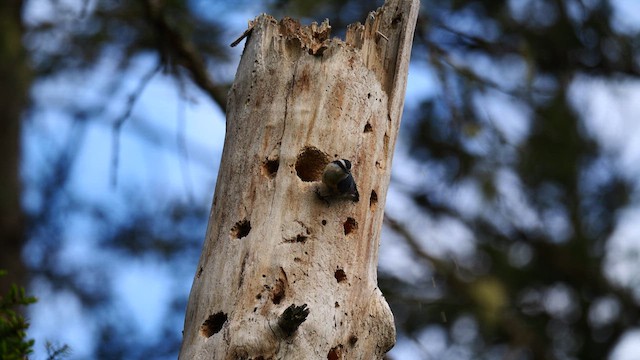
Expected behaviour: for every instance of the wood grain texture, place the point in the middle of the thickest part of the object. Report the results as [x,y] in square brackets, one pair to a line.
[300,100]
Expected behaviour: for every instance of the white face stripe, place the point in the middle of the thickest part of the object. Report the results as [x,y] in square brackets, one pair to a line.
[345,165]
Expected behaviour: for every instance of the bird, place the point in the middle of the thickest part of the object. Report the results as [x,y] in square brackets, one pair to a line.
[338,181]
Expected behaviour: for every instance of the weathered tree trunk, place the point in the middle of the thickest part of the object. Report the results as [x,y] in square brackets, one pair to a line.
[300,100]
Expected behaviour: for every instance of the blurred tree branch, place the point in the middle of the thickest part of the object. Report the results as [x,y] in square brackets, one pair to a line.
[174,48]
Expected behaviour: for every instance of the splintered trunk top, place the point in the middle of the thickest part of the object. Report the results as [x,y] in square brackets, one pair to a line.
[285,273]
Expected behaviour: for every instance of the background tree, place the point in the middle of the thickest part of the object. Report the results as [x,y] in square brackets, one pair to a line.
[15,76]
[520,189]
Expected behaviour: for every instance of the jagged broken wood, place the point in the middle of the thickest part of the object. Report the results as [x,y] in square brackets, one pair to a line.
[292,318]
[300,100]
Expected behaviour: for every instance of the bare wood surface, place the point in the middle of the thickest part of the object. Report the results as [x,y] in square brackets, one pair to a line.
[300,100]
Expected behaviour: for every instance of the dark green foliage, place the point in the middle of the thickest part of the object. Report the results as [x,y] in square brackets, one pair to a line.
[14,344]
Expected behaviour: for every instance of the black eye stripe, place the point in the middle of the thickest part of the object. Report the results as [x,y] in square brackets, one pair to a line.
[342,165]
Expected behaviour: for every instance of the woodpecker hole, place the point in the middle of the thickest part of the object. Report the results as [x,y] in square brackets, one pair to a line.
[270,167]
[396,20]
[310,164]
[278,292]
[350,225]
[213,324]
[337,304]
[324,222]
[368,128]
[340,275]
[335,353]
[200,272]
[353,340]
[241,229]
[373,200]
[300,238]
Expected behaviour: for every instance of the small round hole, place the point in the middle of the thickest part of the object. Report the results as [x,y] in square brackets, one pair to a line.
[300,238]
[241,229]
[270,167]
[213,324]
[373,199]
[278,292]
[335,353]
[353,340]
[350,225]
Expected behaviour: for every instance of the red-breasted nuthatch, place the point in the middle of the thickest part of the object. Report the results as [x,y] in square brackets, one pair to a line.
[338,181]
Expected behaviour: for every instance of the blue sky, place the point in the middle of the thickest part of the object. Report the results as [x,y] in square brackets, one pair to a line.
[155,166]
